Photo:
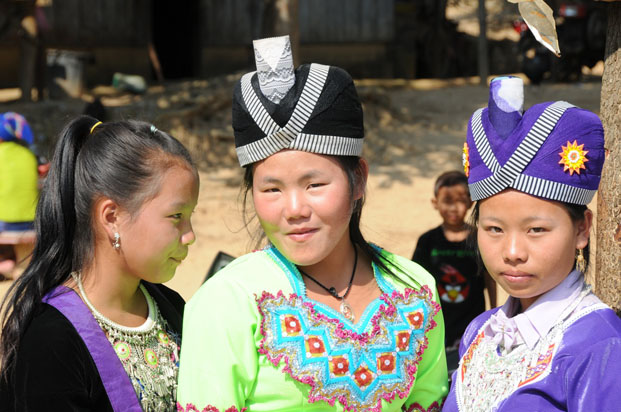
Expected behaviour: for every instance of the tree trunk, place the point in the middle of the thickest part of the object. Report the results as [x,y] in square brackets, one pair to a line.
[608,269]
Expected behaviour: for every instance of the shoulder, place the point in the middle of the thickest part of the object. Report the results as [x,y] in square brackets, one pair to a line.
[54,369]
[248,271]
[408,272]
[164,292]
[50,324]
[169,302]
[592,327]
[243,279]
[593,342]
[482,318]
[434,233]
[16,150]
[50,339]
[473,329]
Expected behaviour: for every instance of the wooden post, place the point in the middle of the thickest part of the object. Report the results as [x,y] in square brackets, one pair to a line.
[608,260]
[482,55]
[28,56]
[281,18]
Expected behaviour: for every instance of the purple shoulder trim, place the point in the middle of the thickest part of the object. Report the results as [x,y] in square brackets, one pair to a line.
[113,376]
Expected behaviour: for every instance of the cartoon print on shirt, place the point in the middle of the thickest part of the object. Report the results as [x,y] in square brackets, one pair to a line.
[453,286]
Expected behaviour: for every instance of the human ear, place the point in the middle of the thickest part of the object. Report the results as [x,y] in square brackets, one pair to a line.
[434,202]
[584,230]
[362,173]
[107,217]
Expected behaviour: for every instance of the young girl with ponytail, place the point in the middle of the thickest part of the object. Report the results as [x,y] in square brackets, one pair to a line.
[88,326]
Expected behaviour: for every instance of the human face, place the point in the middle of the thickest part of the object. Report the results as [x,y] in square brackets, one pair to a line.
[155,239]
[304,204]
[453,202]
[528,244]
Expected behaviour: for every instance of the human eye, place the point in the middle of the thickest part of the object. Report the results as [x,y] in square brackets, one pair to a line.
[493,229]
[176,216]
[537,230]
[315,185]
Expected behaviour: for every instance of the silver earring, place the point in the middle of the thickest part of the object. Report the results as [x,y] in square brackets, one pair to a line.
[116,244]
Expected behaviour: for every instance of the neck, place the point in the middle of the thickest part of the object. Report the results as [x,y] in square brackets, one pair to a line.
[335,269]
[526,303]
[114,294]
[460,227]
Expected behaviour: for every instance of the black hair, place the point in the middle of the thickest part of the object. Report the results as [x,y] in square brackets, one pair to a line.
[576,214]
[353,168]
[448,179]
[123,161]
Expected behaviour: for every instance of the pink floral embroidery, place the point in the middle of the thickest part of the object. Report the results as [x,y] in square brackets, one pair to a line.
[315,346]
[189,407]
[417,407]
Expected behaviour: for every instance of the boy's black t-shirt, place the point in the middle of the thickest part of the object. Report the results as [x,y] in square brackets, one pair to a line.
[460,289]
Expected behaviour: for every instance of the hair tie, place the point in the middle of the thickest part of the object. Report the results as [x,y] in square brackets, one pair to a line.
[94,126]
[154,129]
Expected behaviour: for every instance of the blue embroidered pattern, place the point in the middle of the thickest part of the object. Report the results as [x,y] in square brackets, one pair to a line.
[358,365]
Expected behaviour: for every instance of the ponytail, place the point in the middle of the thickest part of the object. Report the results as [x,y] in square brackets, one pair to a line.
[122,161]
[51,262]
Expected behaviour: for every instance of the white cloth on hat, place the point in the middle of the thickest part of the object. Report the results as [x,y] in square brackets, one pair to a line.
[275,69]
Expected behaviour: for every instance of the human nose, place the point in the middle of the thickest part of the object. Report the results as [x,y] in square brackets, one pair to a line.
[188,237]
[514,249]
[295,205]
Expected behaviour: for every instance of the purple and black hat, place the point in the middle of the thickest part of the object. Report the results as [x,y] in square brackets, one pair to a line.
[314,108]
[555,152]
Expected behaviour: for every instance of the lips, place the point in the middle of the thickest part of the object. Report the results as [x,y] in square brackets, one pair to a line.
[179,259]
[516,276]
[300,235]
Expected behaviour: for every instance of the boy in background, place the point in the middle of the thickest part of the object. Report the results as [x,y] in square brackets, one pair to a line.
[445,253]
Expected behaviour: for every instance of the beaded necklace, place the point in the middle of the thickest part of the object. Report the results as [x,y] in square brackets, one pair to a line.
[149,353]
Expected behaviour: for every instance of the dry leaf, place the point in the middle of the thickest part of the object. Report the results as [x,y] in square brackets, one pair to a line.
[540,20]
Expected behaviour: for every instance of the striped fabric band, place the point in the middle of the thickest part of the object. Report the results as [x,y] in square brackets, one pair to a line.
[290,136]
[510,175]
[329,145]
[481,142]
[548,189]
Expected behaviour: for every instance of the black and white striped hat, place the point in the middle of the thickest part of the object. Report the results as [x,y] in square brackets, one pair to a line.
[320,113]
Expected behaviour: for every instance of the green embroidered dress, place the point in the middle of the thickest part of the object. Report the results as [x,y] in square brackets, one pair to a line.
[253,341]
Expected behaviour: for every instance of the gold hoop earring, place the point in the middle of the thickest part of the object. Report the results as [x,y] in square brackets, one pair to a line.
[580,261]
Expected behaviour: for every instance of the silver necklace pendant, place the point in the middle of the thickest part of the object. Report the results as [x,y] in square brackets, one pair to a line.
[347,311]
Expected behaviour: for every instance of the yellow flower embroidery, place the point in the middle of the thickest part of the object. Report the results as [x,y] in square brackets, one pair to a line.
[573,157]
[466,159]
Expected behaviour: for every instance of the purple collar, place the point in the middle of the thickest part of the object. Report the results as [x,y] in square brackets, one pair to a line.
[536,321]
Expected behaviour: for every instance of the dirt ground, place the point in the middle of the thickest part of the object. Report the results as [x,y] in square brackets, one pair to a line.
[415,131]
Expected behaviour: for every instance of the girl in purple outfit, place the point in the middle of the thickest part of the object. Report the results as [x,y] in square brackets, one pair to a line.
[553,346]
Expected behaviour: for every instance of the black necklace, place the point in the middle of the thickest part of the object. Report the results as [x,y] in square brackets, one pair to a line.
[346,308]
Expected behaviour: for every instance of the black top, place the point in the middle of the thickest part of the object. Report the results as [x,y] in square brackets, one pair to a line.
[454,266]
[54,369]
